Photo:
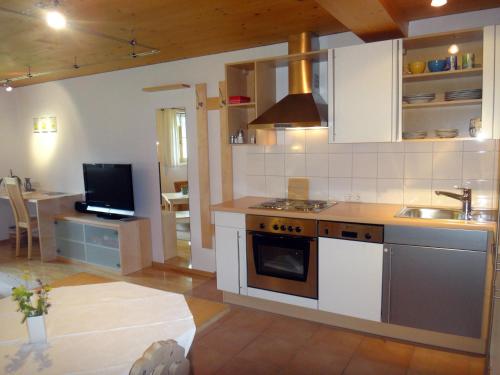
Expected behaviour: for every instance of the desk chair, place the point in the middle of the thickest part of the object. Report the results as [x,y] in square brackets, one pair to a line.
[21,214]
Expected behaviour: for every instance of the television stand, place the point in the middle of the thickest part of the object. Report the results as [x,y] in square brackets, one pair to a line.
[123,246]
[108,216]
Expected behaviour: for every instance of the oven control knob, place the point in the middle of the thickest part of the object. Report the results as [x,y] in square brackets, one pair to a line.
[298,229]
[290,228]
[368,236]
[262,226]
[283,227]
[276,227]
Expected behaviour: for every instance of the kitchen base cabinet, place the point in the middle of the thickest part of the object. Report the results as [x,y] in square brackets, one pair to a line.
[431,287]
[230,252]
[350,278]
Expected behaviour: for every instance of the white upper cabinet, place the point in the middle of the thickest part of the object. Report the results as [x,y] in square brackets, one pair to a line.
[365,84]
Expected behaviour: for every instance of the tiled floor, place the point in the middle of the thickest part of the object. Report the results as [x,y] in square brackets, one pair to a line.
[247,341]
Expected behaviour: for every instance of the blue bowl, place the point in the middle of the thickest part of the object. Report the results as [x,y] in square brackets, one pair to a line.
[436,65]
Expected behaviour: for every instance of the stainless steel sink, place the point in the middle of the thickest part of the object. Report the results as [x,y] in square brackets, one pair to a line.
[446,214]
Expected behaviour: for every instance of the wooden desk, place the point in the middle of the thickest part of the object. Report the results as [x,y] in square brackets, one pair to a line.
[91,329]
[48,205]
[175,198]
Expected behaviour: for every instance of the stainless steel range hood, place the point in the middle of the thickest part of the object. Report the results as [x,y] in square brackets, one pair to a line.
[302,107]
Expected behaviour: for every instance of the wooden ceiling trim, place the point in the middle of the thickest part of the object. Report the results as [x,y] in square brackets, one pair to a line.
[371,20]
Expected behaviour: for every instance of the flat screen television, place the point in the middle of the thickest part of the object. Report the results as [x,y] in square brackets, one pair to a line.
[108,189]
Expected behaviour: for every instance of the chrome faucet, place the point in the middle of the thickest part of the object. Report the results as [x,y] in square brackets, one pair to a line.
[465,198]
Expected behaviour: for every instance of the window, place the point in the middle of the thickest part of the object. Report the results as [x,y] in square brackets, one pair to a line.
[180,138]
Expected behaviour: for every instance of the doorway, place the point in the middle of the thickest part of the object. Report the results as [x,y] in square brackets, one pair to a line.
[172,153]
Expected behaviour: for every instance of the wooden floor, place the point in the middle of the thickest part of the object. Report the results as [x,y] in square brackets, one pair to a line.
[247,341]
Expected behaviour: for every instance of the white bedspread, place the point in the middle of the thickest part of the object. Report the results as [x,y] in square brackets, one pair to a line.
[94,329]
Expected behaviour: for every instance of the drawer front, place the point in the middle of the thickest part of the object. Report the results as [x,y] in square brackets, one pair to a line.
[70,249]
[103,256]
[102,236]
[69,230]
[230,219]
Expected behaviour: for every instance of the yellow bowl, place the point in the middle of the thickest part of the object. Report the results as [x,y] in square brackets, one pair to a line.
[417,67]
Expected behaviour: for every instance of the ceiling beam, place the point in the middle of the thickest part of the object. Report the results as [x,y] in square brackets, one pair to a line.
[371,20]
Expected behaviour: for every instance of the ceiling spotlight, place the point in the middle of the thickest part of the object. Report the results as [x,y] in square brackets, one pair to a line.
[438,3]
[55,19]
[7,86]
[453,49]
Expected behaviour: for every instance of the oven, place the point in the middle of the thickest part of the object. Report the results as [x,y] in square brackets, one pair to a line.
[282,255]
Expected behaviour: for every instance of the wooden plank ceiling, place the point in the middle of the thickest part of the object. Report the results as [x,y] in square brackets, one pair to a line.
[98,30]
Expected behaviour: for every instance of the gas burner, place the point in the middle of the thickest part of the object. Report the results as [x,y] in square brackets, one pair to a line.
[295,205]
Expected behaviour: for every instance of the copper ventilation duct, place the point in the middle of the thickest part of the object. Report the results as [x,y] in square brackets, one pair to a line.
[302,107]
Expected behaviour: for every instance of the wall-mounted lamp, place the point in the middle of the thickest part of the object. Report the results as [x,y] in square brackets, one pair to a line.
[44,125]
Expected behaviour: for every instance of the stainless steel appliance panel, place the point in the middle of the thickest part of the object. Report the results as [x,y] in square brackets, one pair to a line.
[434,288]
[282,225]
[352,231]
[437,237]
[282,255]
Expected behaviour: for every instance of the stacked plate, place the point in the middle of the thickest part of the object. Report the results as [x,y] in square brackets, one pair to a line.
[418,134]
[419,98]
[463,94]
[446,133]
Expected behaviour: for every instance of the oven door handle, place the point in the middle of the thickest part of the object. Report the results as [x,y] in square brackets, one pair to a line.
[261,235]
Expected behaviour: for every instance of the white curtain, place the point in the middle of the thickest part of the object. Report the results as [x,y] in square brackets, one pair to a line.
[165,128]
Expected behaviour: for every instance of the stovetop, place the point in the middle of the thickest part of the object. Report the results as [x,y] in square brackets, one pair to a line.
[296,205]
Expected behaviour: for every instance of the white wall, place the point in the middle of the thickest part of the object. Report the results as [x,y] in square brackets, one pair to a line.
[8,159]
[107,118]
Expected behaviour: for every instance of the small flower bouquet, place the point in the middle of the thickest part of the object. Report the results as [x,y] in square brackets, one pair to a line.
[33,304]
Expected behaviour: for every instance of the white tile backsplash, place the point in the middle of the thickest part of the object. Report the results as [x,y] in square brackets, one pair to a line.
[275,186]
[275,164]
[365,147]
[317,141]
[417,192]
[448,146]
[447,165]
[340,189]
[317,165]
[391,165]
[364,165]
[255,165]
[418,146]
[295,165]
[481,145]
[390,191]
[418,165]
[391,147]
[399,173]
[365,189]
[339,148]
[318,188]
[479,165]
[256,186]
[295,141]
[340,165]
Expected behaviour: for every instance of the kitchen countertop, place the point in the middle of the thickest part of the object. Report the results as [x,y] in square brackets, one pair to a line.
[368,213]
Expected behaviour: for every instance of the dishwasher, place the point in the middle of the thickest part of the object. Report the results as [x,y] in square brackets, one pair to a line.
[434,279]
